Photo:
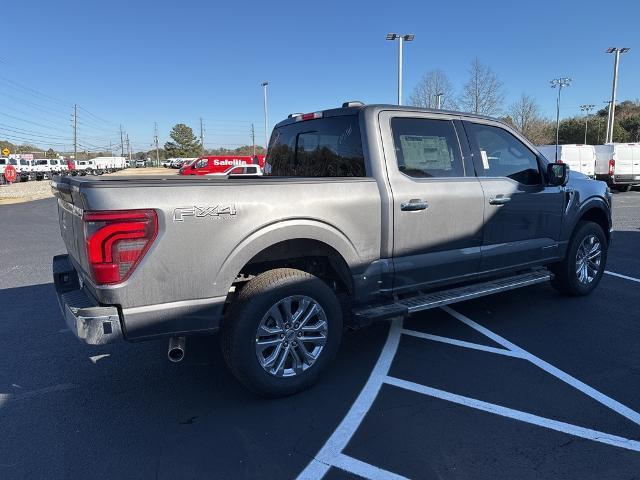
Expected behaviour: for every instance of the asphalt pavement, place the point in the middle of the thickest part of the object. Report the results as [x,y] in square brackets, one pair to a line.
[525,384]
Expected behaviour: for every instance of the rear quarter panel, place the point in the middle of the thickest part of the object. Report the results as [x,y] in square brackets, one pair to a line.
[198,257]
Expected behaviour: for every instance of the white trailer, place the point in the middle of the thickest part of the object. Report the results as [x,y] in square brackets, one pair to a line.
[618,164]
[580,158]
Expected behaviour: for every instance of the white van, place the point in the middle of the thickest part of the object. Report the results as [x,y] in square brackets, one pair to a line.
[618,164]
[580,158]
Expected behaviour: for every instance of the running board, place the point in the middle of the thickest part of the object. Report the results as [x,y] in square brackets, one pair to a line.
[426,301]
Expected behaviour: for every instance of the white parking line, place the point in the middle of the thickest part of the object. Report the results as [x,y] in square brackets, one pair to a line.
[330,453]
[460,343]
[363,469]
[556,372]
[518,415]
[622,276]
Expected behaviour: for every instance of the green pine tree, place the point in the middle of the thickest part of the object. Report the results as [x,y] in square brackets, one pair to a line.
[184,144]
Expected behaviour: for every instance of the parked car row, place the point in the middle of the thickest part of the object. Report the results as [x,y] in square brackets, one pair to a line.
[177,162]
[618,164]
[42,168]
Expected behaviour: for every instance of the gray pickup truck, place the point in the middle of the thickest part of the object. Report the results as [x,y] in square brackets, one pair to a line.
[364,213]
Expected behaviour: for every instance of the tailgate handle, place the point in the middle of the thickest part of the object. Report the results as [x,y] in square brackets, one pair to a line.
[414,205]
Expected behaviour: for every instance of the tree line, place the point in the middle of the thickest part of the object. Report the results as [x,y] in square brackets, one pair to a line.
[484,94]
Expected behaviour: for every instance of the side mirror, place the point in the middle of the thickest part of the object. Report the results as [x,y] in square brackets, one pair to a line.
[558,174]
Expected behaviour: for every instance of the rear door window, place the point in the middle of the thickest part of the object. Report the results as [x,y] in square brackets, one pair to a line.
[426,147]
[324,147]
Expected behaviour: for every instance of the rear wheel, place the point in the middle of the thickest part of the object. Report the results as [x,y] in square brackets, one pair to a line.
[623,188]
[281,332]
[581,270]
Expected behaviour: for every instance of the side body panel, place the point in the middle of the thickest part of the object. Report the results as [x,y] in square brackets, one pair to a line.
[210,230]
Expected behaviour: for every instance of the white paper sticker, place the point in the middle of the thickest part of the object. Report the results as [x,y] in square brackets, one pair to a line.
[485,159]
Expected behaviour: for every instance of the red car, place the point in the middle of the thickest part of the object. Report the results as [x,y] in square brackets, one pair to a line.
[219,164]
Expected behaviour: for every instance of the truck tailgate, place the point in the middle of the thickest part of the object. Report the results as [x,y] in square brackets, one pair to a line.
[70,220]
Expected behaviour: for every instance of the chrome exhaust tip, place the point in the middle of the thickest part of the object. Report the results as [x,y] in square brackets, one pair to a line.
[176,349]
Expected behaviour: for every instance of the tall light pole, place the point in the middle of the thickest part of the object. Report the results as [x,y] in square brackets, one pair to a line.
[606,133]
[586,108]
[612,107]
[559,83]
[439,100]
[266,116]
[401,39]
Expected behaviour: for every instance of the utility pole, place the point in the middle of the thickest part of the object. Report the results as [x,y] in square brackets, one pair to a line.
[586,108]
[559,83]
[266,116]
[253,139]
[612,107]
[128,148]
[201,136]
[75,133]
[155,140]
[121,143]
[401,39]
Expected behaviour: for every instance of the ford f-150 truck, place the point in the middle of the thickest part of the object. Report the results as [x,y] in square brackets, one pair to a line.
[364,213]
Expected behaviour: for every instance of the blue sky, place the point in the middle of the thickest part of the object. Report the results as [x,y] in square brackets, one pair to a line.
[140,62]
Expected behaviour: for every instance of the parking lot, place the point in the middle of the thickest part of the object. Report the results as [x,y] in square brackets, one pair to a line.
[524,384]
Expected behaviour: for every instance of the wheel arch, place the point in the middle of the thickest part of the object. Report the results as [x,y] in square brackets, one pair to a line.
[285,244]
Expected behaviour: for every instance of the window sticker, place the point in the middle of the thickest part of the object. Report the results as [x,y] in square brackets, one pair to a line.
[485,159]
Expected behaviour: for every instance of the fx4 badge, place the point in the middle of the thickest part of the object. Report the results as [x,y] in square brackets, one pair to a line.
[201,212]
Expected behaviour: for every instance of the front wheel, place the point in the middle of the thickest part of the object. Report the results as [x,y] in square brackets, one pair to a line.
[281,332]
[583,266]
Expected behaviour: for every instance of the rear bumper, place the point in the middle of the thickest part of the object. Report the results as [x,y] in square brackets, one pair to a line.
[95,324]
[619,179]
[92,323]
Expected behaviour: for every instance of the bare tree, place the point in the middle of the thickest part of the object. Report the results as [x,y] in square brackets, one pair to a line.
[484,92]
[433,83]
[525,114]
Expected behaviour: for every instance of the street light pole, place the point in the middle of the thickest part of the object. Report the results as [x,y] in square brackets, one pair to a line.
[266,116]
[401,39]
[612,107]
[586,108]
[559,83]
[439,100]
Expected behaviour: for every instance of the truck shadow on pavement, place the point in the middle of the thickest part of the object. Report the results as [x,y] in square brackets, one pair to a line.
[68,410]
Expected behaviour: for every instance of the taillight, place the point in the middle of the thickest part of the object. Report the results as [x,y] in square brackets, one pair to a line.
[116,241]
[612,166]
[559,160]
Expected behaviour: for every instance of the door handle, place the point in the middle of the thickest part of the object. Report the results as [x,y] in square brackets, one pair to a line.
[414,205]
[499,200]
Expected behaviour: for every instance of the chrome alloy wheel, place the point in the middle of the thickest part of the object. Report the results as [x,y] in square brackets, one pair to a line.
[588,258]
[291,336]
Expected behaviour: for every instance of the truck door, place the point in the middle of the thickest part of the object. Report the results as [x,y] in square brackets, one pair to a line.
[437,205]
[522,216]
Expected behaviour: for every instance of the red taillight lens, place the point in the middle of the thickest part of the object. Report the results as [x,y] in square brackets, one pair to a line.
[116,242]
[612,166]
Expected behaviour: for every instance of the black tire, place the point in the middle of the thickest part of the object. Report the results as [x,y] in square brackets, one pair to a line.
[239,330]
[566,279]
[622,188]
